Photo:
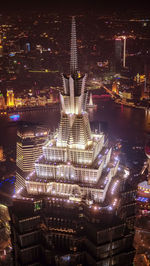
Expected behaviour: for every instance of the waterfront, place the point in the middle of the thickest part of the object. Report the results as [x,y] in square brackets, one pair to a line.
[123,122]
[127,124]
[9,128]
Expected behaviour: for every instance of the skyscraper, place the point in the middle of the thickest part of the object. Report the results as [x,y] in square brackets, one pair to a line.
[142,225]
[10,98]
[77,207]
[118,53]
[1,46]
[2,157]
[30,139]
[2,101]
[27,47]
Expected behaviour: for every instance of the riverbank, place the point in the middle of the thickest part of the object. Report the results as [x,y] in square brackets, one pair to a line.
[28,108]
[129,104]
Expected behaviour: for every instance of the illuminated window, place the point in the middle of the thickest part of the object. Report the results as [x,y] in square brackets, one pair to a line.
[37,205]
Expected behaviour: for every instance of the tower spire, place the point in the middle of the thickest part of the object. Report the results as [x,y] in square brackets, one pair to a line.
[73,58]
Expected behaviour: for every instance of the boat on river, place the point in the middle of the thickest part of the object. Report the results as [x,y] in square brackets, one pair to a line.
[91,104]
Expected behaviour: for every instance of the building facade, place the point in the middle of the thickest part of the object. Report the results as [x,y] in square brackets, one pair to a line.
[30,139]
[142,225]
[10,98]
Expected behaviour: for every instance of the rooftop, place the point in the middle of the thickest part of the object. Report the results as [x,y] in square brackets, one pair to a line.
[30,131]
[144,186]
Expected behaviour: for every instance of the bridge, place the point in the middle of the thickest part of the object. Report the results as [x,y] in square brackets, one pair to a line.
[100,85]
[109,91]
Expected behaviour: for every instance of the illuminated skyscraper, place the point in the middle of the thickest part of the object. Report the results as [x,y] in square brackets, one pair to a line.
[1,50]
[30,139]
[27,47]
[10,98]
[2,101]
[2,158]
[142,232]
[1,46]
[118,53]
[70,161]
[77,207]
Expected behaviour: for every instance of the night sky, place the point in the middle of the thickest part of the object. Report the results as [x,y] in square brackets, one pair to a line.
[74,6]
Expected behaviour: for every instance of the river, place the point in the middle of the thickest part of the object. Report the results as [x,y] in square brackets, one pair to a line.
[126,123]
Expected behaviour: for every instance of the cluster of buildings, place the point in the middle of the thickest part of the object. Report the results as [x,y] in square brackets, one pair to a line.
[142,224]
[29,100]
[127,85]
[75,205]
[9,32]
[128,90]
[25,53]
[5,242]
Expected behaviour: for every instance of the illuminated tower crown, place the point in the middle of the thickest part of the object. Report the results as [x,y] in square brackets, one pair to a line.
[74,130]
[74,160]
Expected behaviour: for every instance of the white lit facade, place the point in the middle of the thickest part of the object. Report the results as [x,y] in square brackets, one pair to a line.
[29,147]
[76,163]
[76,195]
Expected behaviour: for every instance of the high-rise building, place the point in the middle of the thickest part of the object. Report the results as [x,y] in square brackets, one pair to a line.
[142,225]
[118,53]
[2,157]
[27,47]
[10,98]
[30,139]
[77,207]
[1,50]
[2,101]
[1,46]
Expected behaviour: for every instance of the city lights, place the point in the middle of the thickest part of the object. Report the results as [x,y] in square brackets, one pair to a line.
[14,117]
[114,186]
[70,187]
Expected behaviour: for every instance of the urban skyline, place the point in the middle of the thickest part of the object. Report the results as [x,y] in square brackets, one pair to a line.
[80,171]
